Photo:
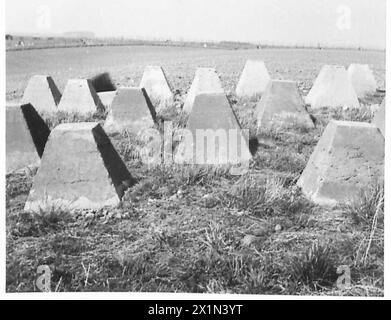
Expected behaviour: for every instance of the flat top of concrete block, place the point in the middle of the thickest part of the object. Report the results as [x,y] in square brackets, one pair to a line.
[76,126]
[106,93]
[351,123]
[359,65]
[158,68]
[204,69]
[131,96]
[78,80]
[255,60]
[129,89]
[212,110]
[334,66]
[255,63]
[40,76]
[285,81]
[205,96]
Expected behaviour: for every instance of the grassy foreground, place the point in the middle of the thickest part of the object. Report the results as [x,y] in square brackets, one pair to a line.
[201,230]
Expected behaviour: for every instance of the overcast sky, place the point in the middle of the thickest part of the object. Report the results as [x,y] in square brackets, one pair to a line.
[329,22]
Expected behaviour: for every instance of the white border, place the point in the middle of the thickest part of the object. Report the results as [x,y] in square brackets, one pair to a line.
[2,152]
[387,218]
[185,297]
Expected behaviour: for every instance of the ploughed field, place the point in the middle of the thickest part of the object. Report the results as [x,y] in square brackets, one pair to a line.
[182,229]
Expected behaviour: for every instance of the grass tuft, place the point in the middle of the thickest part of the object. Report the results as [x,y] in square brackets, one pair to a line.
[37,224]
[367,205]
[315,268]
[266,197]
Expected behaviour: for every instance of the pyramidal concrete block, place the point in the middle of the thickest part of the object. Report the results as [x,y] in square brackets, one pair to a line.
[80,97]
[107,98]
[42,93]
[26,137]
[348,157]
[206,80]
[380,117]
[213,135]
[282,107]
[362,79]
[332,88]
[80,169]
[155,82]
[130,110]
[254,79]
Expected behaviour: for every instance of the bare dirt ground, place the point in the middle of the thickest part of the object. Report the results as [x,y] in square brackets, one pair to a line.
[184,229]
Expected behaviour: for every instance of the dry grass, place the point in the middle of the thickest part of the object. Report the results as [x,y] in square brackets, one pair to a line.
[199,229]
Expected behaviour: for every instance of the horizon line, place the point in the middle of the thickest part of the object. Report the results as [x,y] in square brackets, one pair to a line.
[200,41]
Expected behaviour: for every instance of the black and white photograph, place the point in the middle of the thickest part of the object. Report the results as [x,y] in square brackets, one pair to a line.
[222,148]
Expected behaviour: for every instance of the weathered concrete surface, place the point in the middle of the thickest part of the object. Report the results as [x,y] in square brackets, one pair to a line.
[380,118]
[80,97]
[26,136]
[213,135]
[282,107]
[154,81]
[349,156]
[332,88]
[80,169]
[254,79]
[362,79]
[206,80]
[130,110]
[42,93]
[107,98]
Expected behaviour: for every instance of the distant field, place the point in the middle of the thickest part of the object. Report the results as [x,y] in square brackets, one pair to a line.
[126,64]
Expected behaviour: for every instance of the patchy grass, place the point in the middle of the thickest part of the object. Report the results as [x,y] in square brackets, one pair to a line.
[266,197]
[315,268]
[368,205]
[39,224]
[55,119]
[200,229]
[362,114]
[19,183]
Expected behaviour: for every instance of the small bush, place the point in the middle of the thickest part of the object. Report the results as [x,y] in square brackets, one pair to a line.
[266,197]
[199,175]
[247,120]
[67,245]
[166,112]
[315,268]
[362,114]
[128,146]
[294,163]
[369,202]
[29,224]
[19,183]
[55,119]
[102,82]
[227,273]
